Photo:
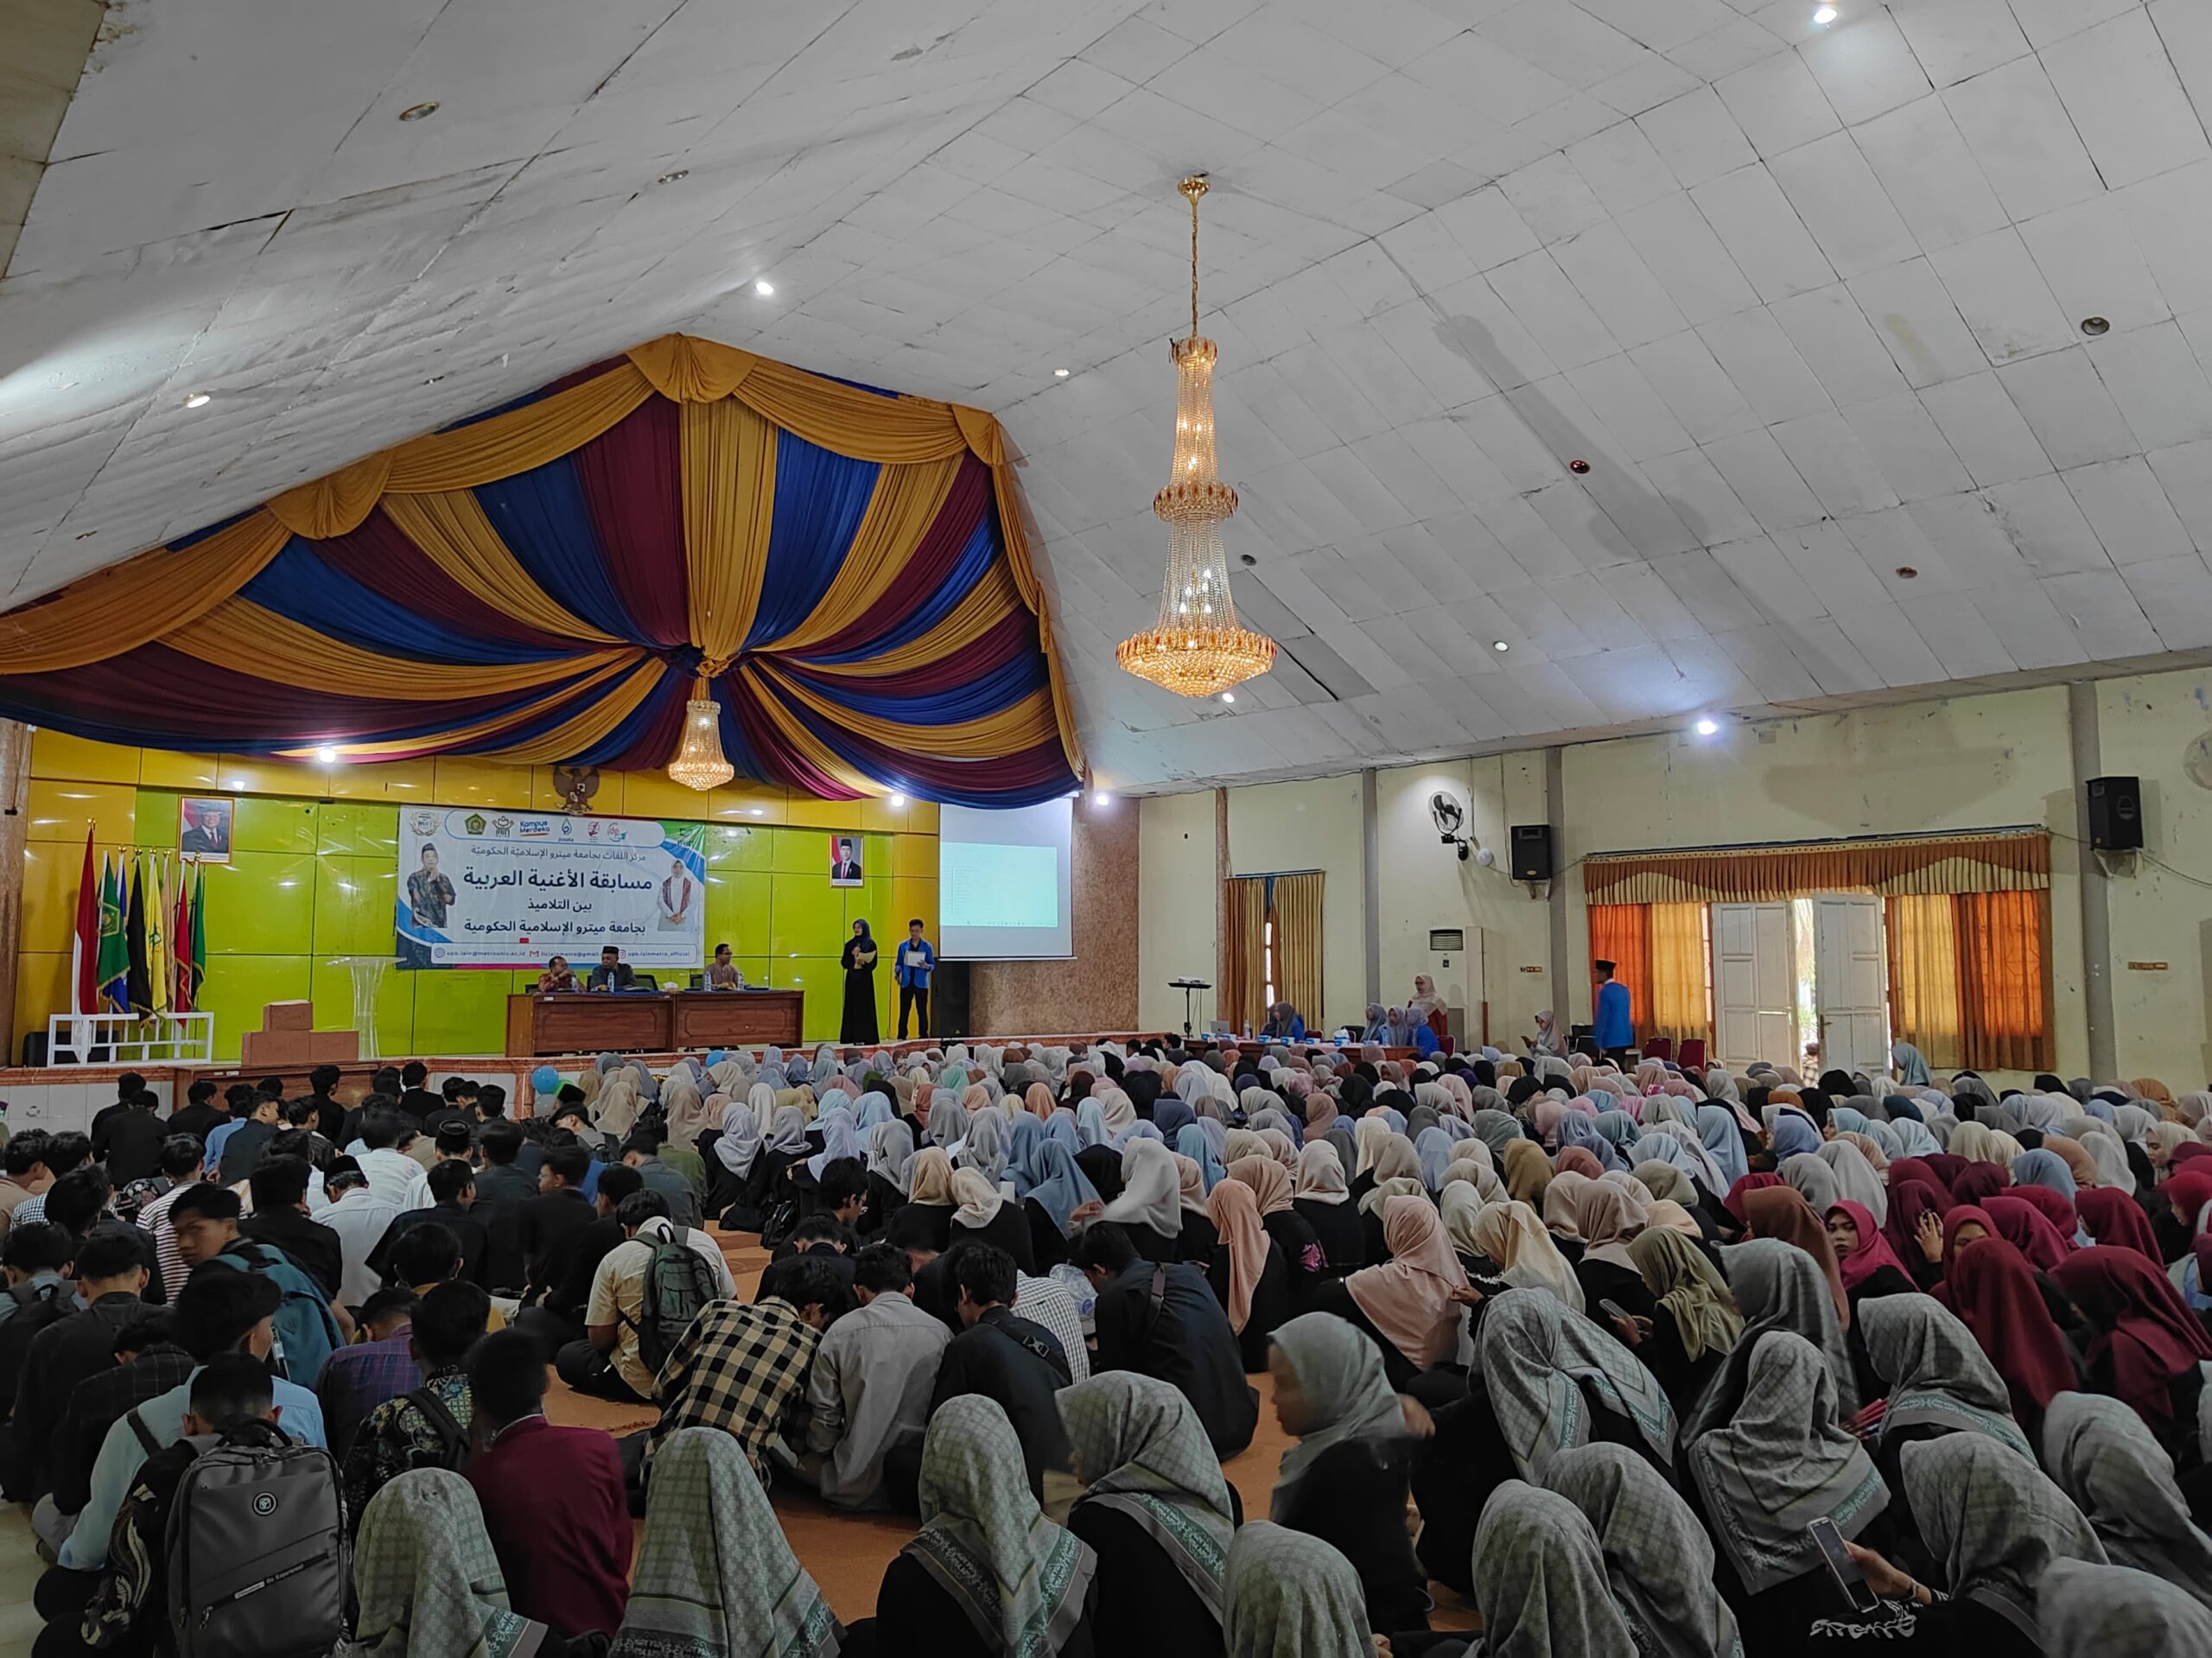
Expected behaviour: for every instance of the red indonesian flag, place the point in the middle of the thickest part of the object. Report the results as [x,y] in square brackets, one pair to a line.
[85,950]
[181,931]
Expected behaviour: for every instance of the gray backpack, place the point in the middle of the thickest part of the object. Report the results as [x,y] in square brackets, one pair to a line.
[259,1563]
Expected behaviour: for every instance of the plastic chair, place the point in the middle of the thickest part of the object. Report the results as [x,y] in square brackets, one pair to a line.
[1693,1054]
[1660,1047]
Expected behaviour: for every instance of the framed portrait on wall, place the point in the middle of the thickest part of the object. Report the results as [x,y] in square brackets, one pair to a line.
[203,828]
[845,868]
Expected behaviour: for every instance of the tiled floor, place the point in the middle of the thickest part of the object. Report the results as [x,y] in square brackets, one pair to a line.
[846,1554]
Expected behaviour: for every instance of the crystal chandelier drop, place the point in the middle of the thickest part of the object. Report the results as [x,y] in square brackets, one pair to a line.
[1196,648]
[700,763]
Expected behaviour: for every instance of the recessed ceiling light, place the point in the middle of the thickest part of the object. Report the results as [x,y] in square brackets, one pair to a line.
[198,400]
[1707,727]
[1228,696]
[1823,16]
[898,803]
[1061,373]
[417,111]
[327,755]
[1102,798]
[2094,326]
[672,177]
[1500,645]
[764,287]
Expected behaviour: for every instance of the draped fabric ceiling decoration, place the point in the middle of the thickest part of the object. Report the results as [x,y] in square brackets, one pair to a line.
[1999,861]
[847,570]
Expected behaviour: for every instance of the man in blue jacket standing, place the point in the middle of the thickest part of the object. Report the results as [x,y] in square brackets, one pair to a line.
[917,961]
[1616,1024]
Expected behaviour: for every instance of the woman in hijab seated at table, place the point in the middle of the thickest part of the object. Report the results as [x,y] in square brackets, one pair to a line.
[988,1576]
[716,1574]
[1995,1526]
[1345,1480]
[1155,1511]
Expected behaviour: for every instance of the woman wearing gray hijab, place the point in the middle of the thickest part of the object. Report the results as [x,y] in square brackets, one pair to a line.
[1778,1287]
[2113,1612]
[1540,1580]
[1658,1558]
[2102,1456]
[1940,1381]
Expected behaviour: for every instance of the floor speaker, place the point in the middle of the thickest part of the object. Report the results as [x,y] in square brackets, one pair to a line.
[948,999]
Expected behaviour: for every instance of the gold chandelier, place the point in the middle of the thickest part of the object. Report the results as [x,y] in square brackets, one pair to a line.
[700,763]
[1196,648]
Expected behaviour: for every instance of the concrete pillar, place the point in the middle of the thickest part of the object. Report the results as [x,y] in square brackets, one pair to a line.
[1370,869]
[14,825]
[2096,890]
[1555,814]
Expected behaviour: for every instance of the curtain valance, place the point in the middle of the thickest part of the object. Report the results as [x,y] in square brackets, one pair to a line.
[1999,862]
[848,569]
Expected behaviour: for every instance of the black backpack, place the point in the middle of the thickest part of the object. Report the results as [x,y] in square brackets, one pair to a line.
[259,1561]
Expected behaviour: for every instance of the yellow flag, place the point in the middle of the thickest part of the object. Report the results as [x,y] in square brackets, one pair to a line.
[159,964]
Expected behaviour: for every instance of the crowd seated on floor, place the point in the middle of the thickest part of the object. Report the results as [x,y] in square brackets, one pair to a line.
[1655,1361]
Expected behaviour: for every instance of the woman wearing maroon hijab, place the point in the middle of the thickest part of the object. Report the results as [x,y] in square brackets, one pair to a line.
[1921,1169]
[1733,1203]
[2051,1205]
[1947,1168]
[2114,1219]
[1979,1180]
[1863,1254]
[1909,1201]
[2147,1345]
[2027,1230]
[1992,1289]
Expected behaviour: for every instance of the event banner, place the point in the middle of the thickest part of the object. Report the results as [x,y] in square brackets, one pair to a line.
[480,888]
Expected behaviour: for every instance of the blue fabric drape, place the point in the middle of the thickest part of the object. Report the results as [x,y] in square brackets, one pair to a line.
[298,586]
[542,517]
[806,547]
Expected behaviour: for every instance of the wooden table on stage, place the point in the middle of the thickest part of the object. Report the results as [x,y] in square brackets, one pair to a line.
[659,1021]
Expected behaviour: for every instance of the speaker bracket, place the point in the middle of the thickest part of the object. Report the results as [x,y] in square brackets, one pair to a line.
[2122,865]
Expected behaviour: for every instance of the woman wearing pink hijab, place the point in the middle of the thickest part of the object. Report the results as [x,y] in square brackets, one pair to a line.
[1412,1302]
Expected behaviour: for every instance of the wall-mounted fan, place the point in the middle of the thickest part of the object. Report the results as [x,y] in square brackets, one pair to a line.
[1451,820]
[2197,762]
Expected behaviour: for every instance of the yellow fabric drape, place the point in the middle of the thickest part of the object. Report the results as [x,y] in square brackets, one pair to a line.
[1242,998]
[641,678]
[989,603]
[907,502]
[1298,945]
[1680,1001]
[2004,980]
[238,633]
[453,534]
[139,601]
[334,506]
[1921,935]
[1020,726]
[729,469]
[486,451]
[1957,863]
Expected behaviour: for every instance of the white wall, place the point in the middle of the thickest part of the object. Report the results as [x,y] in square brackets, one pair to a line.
[1965,763]
[1422,883]
[1175,907]
[2160,909]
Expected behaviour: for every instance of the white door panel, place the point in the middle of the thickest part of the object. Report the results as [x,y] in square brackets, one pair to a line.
[1850,988]
[1752,994]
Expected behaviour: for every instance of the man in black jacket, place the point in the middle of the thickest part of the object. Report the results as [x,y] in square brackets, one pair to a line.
[1164,1322]
[280,1219]
[1007,1358]
[558,1319]
[203,1113]
[453,1198]
[415,1099]
[130,1141]
[558,1212]
[110,1276]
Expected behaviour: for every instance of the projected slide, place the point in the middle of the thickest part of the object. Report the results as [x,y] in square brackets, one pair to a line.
[998,886]
[1005,883]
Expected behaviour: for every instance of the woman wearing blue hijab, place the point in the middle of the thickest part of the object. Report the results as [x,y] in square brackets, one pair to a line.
[875,1108]
[1172,1116]
[1433,1151]
[1190,1142]
[1061,1132]
[1620,1128]
[2042,1168]
[1024,1135]
[1575,1129]
[1059,1187]
[839,1139]
[1723,1142]
[1793,1133]
[1090,1124]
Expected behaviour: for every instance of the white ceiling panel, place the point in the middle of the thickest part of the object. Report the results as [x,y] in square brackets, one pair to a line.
[1808,300]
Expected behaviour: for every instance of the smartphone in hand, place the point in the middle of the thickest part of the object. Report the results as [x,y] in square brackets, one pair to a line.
[1857,1592]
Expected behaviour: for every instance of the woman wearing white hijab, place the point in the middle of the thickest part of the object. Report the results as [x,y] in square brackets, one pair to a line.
[1150,1205]
[1856,1181]
[1512,1236]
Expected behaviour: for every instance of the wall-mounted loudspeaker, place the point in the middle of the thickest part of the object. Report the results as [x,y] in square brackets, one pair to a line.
[2115,814]
[1532,852]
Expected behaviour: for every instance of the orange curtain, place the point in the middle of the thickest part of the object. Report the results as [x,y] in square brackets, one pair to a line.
[1298,944]
[1681,975]
[1997,861]
[2003,981]
[1621,934]
[1241,998]
[1922,940]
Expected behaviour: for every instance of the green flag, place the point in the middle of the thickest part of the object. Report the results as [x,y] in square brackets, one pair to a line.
[115,955]
[194,950]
